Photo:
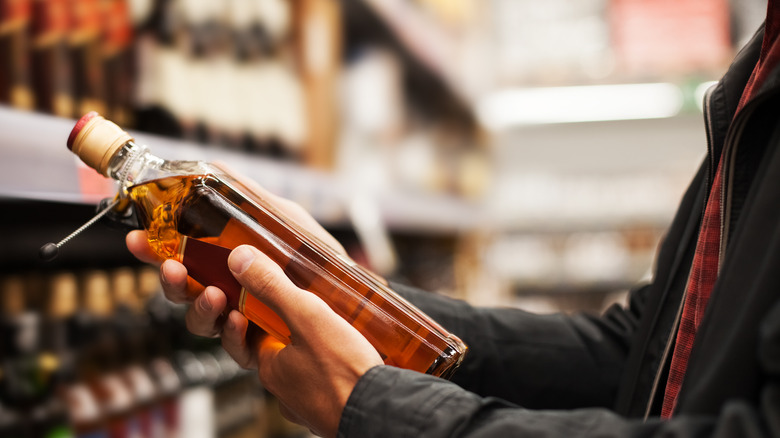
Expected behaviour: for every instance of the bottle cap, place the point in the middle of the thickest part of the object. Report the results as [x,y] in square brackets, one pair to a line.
[97,294]
[12,292]
[148,281]
[95,140]
[124,287]
[63,295]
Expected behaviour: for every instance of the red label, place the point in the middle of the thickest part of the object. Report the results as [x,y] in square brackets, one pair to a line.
[208,265]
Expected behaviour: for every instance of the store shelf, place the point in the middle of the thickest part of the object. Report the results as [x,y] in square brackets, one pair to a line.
[36,165]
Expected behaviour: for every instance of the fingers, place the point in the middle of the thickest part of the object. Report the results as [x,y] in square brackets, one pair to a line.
[174,281]
[139,246]
[203,316]
[262,277]
[237,342]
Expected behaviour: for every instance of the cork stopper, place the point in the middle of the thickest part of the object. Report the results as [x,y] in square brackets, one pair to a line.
[12,290]
[148,281]
[124,286]
[97,294]
[95,140]
[63,296]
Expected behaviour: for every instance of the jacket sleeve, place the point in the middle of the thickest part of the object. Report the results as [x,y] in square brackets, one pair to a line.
[538,361]
[391,402]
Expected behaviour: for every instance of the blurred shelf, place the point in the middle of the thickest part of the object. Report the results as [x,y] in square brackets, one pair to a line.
[36,165]
[554,289]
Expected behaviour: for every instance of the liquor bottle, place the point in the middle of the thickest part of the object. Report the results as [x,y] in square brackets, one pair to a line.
[14,51]
[159,68]
[84,409]
[209,68]
[13,421]
[103,368]
[131,323]
[58,307]
[159,342]
[238,399]
[196,212]
[117,59]
[84,45]
[50,66]
[30,373]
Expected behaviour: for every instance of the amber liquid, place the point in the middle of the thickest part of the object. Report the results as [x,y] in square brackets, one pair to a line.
[216,209]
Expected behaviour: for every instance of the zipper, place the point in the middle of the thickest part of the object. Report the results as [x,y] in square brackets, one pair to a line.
[672,334]
[734,133]
[665,356]
[729,152]
[709,134]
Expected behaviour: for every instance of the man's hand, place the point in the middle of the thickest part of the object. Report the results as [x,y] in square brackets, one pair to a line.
[314,375]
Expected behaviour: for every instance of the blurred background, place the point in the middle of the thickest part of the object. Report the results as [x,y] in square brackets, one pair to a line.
[505,152]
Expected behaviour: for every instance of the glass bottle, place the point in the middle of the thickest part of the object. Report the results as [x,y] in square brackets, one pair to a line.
[50,67]
[30,373]
[196,212]
[15,87]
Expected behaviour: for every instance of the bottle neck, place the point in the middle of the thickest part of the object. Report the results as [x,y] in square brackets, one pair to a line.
[129,163]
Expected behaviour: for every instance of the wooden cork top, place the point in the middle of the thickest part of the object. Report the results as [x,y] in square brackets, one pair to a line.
[95,140]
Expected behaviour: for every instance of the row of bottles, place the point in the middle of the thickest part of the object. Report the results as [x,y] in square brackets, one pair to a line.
[217,73]
[65,57]
[224,71]
[103,354]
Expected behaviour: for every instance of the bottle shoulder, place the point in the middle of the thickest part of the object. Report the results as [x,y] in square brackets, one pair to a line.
[155,168]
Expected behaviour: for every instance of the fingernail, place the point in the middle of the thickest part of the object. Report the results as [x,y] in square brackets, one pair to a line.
[162,277]
[229,323]
[205,303]
[240,259]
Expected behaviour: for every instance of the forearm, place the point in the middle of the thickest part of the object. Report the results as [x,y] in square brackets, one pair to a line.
[538,361]
[390,402]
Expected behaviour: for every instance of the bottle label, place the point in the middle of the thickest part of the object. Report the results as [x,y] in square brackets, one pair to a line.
[207,264]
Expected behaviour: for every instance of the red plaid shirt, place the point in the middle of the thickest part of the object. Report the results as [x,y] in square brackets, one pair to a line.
[706,260]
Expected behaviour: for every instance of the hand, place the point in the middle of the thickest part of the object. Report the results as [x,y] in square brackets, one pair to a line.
[314,375]
[180,288]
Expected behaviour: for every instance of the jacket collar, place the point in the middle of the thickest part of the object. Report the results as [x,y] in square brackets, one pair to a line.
[726,94]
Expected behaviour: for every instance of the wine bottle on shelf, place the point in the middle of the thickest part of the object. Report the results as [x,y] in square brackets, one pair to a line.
[160,342]
[159,69]
[117,59]
[58,308]
[196,212]
[238,399]
[13,421]
[84,46]
[14,54]
[102,373]
[281,80]
[198,372]
[211,70]
[84,409]
[131,323]
[50,65]
[30,373]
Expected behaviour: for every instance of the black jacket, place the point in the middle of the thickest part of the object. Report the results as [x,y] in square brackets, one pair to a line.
[564,376]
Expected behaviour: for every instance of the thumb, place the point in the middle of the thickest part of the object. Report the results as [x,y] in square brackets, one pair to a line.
[266,281]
